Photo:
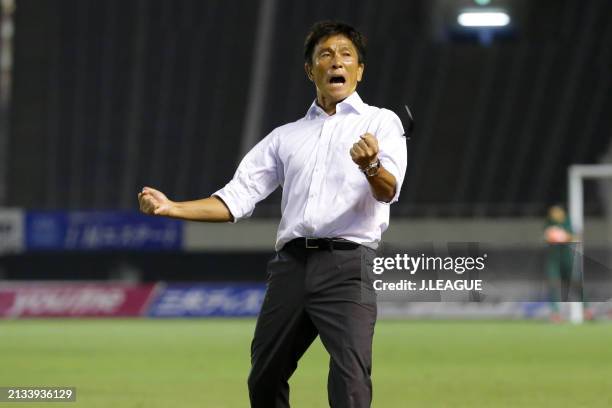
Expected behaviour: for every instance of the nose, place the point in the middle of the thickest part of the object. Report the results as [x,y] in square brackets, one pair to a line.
[337,61]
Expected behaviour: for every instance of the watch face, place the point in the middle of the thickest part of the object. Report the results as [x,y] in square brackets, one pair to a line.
[371,171]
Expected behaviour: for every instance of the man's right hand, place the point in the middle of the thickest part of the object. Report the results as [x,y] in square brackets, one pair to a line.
[154,202]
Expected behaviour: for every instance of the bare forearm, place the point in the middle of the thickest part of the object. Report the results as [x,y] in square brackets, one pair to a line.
[211,209]
[383,185]
[365,154]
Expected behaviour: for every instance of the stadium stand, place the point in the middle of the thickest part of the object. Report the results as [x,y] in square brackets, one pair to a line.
[128,93]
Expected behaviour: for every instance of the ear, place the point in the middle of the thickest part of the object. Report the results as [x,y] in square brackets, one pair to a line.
[360,70]
[308,70]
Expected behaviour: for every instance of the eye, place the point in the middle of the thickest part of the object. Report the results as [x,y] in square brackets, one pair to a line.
[324,54]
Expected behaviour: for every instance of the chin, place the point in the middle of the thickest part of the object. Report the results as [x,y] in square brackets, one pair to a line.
[338,95]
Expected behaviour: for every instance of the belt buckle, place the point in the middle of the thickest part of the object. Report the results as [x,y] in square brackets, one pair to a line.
[309,246]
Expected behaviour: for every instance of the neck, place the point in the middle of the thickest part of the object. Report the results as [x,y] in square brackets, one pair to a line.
[327,104]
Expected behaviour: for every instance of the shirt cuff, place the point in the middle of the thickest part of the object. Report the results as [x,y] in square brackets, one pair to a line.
[231,206]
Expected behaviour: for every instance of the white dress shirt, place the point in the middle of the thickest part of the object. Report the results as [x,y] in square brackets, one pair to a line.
[325,194]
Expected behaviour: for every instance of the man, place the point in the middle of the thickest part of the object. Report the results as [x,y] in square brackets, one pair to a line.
[340,167]
[559,262]
[562,277]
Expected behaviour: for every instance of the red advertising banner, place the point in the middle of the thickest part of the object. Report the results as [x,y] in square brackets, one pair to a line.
[74,300]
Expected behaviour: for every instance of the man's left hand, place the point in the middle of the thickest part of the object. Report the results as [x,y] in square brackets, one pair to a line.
[365,151]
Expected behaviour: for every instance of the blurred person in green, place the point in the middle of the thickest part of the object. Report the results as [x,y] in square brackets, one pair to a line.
[560,259]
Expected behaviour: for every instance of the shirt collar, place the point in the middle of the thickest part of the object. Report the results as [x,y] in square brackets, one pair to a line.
[353,101]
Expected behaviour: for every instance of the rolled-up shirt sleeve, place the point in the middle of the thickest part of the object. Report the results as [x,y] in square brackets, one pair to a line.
[256,178]
[392,148]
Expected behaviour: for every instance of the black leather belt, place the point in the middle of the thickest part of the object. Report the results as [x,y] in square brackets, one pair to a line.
[323,243]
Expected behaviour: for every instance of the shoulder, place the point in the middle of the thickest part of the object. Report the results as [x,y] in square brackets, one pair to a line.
[291,126]
[390,116]
[385,120]
[382,115]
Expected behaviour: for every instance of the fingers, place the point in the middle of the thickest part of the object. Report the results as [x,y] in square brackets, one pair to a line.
[146,189]
[368,145]
[365,150]
[148,204]
[142,196]
[362,149]
[358,151]
[370,140]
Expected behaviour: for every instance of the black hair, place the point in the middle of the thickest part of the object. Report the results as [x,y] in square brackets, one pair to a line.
[323,29]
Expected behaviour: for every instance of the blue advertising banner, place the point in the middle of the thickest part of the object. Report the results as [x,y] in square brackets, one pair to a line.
[101,230]
[227,300]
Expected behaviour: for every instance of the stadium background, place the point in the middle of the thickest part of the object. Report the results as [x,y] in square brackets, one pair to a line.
[98,98]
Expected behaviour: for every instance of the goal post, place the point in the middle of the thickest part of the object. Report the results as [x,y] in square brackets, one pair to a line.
[576,175]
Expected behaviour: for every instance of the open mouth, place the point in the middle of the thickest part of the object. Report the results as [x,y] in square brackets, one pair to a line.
[337,79]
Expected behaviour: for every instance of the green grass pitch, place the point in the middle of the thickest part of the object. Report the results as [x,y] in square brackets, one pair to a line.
[204,363]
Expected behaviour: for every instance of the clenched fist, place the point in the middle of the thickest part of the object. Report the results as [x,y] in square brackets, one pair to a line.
[365,151]
[154,202]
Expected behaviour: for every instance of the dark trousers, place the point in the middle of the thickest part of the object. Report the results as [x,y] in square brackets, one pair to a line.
[315,292]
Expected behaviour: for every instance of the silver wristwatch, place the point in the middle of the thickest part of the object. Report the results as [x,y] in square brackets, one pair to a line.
[372,168]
